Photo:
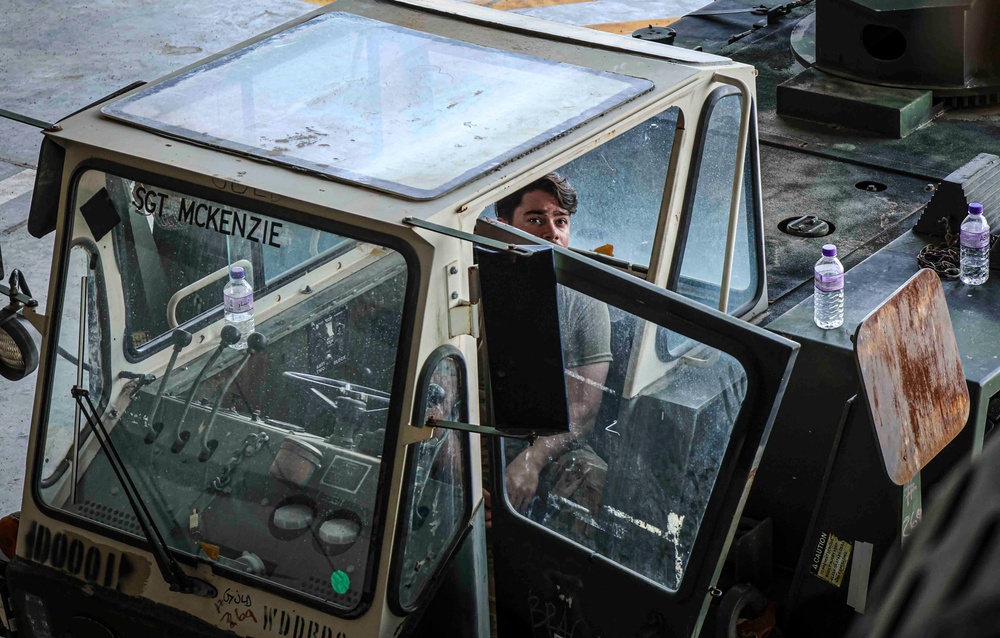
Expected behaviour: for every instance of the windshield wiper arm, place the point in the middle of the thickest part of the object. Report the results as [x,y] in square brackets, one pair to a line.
[170,569]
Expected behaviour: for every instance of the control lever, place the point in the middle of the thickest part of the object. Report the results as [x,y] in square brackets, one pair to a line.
[229,336]
[256,342]
[181,339]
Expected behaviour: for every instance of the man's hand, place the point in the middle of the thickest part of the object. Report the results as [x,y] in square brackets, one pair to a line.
[522,478]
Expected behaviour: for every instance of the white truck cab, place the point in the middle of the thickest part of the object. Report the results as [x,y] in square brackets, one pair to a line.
[327,481]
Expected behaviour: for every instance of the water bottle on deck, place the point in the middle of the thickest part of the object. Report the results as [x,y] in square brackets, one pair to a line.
[975,240]
[828,298]
[238,305]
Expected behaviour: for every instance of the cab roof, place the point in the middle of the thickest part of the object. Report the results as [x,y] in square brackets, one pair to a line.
[413,100]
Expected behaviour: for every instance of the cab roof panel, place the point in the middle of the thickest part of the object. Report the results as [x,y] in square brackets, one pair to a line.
[376,104]
[333,94]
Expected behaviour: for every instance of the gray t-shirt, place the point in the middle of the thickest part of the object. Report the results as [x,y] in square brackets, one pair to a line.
[586,329]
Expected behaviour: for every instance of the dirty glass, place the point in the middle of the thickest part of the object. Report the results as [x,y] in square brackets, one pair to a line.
[374,103]
[632,479]
[59,440]
[265,460]
[174,249]
[708,218]
[438,496]
[620,189]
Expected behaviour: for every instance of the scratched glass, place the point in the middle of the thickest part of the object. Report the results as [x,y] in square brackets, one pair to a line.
[272,454]
[620,188]
[437,504]
[378,104]
[632,479]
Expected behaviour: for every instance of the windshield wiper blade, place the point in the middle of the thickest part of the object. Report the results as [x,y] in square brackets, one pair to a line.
[169,568]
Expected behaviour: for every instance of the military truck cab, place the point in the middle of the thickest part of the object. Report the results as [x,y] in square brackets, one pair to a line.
[324,477]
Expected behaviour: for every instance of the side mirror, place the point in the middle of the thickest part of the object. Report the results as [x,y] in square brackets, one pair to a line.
[521,314]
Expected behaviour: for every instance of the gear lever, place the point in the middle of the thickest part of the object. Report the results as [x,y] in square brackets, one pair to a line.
[181,339]
[256,343]
[229,336]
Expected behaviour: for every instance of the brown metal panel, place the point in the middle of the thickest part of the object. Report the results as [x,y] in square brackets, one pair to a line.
[912,375]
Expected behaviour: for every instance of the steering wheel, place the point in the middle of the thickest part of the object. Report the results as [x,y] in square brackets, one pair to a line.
[343,399]
[344,392]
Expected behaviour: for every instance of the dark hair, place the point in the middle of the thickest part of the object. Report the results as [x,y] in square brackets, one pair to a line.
[553,183]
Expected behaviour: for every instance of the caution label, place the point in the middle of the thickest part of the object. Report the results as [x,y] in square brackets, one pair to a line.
[830,559]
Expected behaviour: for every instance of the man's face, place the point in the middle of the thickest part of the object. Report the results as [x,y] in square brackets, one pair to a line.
[540,214]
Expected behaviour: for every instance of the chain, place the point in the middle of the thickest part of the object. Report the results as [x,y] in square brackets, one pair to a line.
[251,445]
[945,258]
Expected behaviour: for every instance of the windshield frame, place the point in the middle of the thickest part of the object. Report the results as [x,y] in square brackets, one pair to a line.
[396,414]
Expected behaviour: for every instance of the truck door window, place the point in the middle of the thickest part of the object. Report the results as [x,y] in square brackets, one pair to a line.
[697,273]
[437,501]
[632,479]
[272,455]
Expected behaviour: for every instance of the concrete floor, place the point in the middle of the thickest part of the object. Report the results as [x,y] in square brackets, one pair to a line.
[54,59]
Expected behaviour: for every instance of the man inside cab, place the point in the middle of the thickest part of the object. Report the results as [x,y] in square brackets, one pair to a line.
[564,466]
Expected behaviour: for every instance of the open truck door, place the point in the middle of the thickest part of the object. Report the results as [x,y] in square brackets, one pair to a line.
[634,509]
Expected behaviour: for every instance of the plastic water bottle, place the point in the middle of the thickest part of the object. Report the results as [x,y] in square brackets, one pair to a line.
[238,304]
[828,299]
[975,240]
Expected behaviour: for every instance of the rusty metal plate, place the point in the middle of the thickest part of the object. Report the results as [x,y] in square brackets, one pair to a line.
[912,376]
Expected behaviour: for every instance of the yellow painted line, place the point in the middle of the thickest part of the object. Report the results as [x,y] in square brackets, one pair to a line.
[510,5]
[628,27]
[321,2]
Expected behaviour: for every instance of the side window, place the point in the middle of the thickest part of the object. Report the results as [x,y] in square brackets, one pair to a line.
[63,423]
[697,274]
[632,479]
[619,188]
[438,471]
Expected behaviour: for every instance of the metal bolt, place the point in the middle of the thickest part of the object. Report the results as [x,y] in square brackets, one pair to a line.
[871,188]
[930,188]
[453,270]
[715,592]
[454,295]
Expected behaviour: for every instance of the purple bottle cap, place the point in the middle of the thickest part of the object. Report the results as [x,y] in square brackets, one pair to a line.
[236,272]
[975,208]
[829,250]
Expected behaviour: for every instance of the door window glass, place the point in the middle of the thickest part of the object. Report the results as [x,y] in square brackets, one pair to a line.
[707,216]
[632,479]
[437,502]
[274,453]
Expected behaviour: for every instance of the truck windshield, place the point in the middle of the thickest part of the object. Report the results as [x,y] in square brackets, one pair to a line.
[264,459]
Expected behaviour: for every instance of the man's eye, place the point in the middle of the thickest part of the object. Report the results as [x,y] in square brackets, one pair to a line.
[535,220]
[562,222]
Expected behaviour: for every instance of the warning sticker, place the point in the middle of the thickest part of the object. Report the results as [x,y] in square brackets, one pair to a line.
[830,558]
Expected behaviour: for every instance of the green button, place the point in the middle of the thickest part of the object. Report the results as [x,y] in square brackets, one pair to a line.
[340,581]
